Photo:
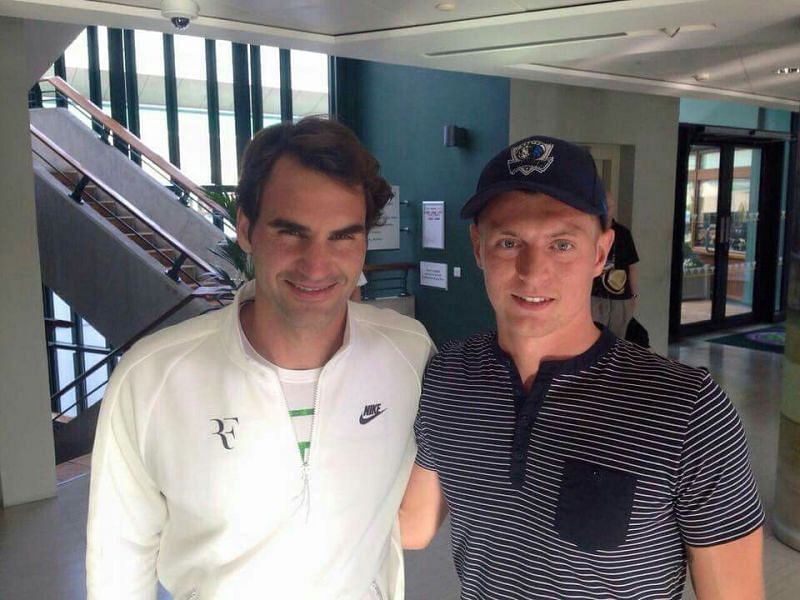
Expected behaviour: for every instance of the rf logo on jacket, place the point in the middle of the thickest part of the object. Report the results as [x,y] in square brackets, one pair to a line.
[223,433]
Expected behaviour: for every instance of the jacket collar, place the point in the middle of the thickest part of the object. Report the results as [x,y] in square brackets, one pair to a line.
[232,336]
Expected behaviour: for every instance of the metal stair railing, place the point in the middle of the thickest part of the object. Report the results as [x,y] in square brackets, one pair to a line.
[183,266]
[389,279]
[217,293]
[188,193]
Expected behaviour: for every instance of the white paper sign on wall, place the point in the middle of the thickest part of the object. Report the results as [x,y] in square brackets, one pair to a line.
[433,274]
[433,225]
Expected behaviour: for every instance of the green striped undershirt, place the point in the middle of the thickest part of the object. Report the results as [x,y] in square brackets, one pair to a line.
[303,446]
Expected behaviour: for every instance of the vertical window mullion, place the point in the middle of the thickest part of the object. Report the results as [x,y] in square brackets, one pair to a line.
[286,84]
[50,334]
[333,99]
[116,80]
[79,360]
[256,99]
[241,98]
[95,85]
[212,95]
[171,96]
[60,70]
[131,85]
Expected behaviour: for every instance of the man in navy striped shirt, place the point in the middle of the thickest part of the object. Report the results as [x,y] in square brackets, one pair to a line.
[574,464]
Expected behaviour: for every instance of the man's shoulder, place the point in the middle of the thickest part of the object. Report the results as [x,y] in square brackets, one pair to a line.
[388,322]
[631,358]
[475,349]
[170,343]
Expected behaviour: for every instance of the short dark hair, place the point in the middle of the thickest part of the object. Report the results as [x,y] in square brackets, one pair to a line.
[319,144]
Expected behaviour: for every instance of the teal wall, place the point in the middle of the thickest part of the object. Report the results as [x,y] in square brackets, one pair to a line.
[733,114]
[399,113]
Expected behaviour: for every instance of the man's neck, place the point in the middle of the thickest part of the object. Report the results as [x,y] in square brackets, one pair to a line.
[288,347]
[529,352]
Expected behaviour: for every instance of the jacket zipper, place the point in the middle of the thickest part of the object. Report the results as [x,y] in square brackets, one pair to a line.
[376,591]
[306,493]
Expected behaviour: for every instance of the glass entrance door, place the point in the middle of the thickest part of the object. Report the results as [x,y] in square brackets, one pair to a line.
[720,231]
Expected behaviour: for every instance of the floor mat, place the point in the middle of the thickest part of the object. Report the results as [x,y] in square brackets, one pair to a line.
[770,339]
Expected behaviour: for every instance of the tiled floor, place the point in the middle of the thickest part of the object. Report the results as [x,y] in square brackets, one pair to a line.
[72,469]
[42,544]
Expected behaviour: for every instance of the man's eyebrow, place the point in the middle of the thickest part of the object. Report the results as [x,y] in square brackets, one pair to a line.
[351,229]
[568,229]
[287,224]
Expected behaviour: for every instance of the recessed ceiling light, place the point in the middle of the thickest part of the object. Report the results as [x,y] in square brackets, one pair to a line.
[446,6]
[788,71]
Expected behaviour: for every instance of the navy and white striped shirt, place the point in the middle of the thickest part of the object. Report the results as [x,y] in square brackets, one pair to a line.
[591,484]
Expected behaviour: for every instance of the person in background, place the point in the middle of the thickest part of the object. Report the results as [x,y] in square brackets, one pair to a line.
[574,464]
[262,450]
[615,290]
[357,295]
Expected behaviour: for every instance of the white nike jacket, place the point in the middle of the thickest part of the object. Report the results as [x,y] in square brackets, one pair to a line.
[197,479]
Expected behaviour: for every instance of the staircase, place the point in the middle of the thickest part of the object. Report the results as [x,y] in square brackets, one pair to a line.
[128,252]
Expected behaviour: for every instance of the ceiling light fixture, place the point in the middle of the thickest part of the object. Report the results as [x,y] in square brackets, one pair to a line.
[788,71]
[704,76]
[446,6]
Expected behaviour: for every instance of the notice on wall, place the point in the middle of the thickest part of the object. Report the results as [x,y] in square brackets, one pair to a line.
[433,274]
[387,236]
[433,225]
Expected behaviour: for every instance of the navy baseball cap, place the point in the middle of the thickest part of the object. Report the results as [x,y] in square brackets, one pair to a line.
[542,164]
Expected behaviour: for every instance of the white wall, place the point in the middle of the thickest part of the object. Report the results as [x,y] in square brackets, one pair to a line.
[648,124]
[26,437]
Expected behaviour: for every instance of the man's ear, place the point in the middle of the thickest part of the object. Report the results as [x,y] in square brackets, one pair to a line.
[243,231]
[475,238]
[604,242]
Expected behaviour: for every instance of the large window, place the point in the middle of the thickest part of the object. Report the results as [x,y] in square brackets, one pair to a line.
[196,117]
[74,346]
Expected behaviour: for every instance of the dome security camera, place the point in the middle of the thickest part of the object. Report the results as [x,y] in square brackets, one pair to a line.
[180,12]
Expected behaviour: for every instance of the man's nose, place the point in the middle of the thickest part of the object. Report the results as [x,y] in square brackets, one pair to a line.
[315,259]
[532,263]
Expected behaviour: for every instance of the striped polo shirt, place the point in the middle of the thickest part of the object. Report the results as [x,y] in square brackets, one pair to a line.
[589,485]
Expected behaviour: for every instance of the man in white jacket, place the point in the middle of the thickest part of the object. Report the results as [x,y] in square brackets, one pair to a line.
[262,450]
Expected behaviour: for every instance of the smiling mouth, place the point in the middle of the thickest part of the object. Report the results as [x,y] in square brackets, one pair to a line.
[533,299]
[311,289]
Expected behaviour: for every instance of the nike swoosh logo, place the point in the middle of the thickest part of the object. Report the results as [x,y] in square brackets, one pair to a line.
[364,420]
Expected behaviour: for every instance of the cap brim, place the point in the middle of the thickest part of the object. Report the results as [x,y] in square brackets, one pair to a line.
[479,201]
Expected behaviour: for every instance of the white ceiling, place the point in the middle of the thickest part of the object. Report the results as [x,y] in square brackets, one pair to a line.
[619,44]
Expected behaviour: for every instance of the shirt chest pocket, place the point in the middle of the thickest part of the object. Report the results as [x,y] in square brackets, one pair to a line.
[594,505]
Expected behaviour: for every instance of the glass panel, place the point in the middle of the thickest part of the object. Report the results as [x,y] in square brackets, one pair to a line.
[190,70]
[102,46]
[706,216]
[709,159]
[309,83]
[699,237]
[152,101]
[742,232]
[62,312]
[270,85]
[65,367]
[96,379]
[92,337]
[227,125]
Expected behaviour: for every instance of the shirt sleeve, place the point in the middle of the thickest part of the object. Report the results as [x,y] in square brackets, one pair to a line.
[126,509]
[424,452]
[717,498]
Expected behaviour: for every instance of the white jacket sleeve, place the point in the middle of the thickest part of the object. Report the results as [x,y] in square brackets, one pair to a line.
[126,509]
